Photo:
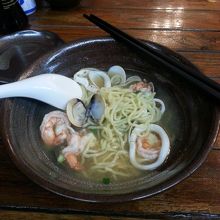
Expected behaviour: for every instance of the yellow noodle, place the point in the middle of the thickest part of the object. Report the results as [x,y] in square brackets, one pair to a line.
[124,110]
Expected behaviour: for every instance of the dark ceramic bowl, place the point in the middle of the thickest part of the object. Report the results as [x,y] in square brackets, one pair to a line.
[20,49]
[191,121]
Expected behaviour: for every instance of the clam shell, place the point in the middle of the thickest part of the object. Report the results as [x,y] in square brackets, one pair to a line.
[97,108]
[99,79]
[92,79]
[164,151]
[76,112]
[131,80]
[117,75]
[82,77]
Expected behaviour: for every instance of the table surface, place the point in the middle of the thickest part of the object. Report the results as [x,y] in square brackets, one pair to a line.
[190,27]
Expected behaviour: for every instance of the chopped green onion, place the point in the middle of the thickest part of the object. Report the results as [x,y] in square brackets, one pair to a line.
[105,180]
[94,131]
[60,159]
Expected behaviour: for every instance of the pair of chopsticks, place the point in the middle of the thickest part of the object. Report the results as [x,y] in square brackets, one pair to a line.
[207,85]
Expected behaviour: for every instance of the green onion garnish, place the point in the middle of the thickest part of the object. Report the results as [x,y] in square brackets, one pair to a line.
[105,180]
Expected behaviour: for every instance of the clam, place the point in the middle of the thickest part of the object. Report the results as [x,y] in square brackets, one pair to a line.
[82,78]
[161,154]
[162,105]
[117,75]
[92,79]
[76,112]
[81,74]
[96,109]
[99,79]
[132,80]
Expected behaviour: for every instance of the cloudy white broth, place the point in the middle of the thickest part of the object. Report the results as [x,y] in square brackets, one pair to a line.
[113,133]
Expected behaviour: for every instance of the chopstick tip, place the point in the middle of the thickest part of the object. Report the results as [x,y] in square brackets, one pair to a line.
[85,15]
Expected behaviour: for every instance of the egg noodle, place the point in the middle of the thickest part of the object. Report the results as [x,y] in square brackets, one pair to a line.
[124,110]
[109,134]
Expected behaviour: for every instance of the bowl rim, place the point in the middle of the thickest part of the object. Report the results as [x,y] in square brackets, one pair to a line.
[103,198]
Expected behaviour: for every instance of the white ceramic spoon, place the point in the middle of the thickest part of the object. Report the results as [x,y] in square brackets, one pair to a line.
[52,89]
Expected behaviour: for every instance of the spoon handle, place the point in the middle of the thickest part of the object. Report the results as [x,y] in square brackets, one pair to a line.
[15,89]
[53,89]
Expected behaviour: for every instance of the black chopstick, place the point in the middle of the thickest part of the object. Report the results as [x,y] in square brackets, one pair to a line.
[209,86]
[158,53]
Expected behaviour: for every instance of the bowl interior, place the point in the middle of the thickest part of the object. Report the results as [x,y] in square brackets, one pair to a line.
[189,121]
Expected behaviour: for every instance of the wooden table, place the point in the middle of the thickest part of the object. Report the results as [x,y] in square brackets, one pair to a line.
[190,27]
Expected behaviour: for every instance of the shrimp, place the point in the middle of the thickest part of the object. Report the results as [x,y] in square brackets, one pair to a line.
[72,160]
[142,86]
[72,151]
[76,145]
[149,146]
[55,128]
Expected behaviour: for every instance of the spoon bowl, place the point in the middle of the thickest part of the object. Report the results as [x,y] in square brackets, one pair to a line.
[53,89]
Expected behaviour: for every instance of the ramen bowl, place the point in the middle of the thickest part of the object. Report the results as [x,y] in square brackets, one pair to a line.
[191,121]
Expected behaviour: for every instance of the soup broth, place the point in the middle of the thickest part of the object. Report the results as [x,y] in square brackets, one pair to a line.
[117,142]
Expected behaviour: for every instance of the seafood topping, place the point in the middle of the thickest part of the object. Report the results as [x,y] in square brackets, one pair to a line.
[154,146]
[55,128]
[148,146]
[117,75]
[76,112]
[113,134]
[142,87]
[96,108]
[92,79]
